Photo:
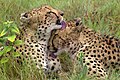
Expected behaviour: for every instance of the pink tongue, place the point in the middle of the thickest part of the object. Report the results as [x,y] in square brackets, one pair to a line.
[63,24]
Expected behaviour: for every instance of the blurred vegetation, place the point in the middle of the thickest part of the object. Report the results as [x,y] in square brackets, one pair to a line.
[100,15]
[103,15]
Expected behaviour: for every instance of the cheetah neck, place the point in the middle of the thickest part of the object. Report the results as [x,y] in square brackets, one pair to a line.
[34,36]
[43,34]
[27,32]
[43,37]
[88,36]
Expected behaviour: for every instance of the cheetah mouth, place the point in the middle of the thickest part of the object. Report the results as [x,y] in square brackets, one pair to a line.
[53,55]
[63,23]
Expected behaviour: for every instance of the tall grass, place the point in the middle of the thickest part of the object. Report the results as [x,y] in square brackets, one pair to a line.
[101,15]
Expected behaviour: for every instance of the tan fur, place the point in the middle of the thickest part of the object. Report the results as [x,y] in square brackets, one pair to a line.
[100,52]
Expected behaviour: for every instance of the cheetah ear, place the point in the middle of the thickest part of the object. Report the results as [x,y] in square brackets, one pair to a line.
[78,21]
[24,18]
[79,24]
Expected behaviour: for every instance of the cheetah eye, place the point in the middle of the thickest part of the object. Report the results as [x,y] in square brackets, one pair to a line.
[50,12]
[62,14]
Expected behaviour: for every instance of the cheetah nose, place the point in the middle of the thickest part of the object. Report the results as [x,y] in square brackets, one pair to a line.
[25,15]
[58,22]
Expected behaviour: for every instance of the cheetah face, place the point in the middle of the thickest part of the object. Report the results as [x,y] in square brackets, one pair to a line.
[43,18]
[62,38]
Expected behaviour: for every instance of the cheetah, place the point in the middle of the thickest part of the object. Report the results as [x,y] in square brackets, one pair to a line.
[101,52]
[36,26]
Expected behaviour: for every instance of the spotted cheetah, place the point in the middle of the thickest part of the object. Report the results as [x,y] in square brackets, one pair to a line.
[36,26]
[101,52]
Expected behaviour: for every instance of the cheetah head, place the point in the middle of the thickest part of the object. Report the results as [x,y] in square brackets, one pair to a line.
[62,38]
[44,18]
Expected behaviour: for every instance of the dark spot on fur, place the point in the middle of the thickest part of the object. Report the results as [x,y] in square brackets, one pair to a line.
[52,68]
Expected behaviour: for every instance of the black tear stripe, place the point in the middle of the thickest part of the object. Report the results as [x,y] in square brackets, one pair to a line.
[56,49]
[53,13]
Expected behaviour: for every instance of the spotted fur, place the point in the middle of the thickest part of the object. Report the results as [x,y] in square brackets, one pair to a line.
[101,52]
[36,27]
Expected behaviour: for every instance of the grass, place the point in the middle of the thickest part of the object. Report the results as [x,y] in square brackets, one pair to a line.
[100,15]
